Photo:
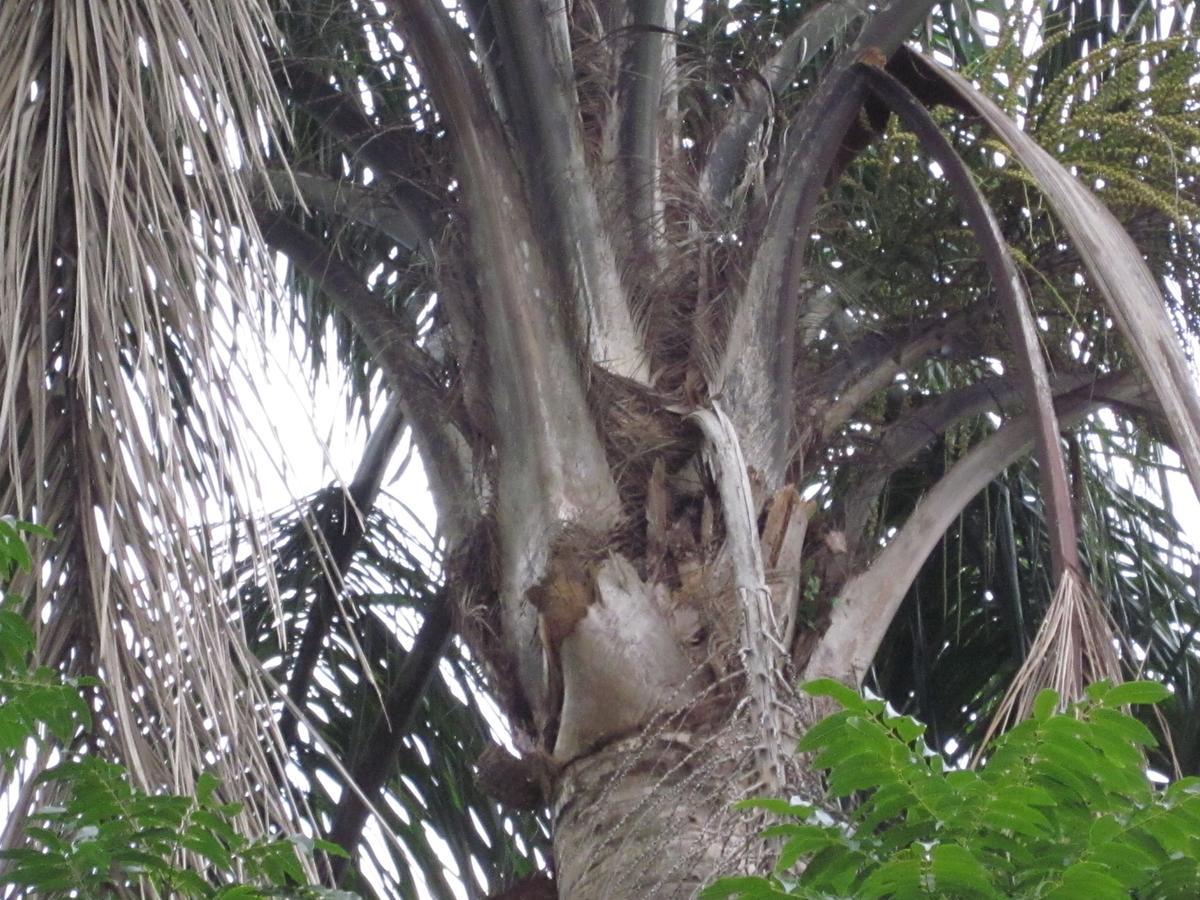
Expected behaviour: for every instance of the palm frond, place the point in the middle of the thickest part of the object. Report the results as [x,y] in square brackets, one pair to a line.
[418,775]
[127,266]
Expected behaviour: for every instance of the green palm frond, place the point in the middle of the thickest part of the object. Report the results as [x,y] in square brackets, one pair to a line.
[357,118]
[433,812]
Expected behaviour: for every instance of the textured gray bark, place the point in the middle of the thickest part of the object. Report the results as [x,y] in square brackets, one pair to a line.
[650,815]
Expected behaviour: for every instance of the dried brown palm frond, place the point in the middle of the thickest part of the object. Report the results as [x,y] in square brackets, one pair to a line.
[125,130]
[1075,646]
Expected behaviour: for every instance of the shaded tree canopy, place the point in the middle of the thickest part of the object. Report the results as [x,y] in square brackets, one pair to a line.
[739,342]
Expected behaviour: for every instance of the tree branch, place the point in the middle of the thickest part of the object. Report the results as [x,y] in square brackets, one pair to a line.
[536,53]
[755,375]
[907,436]
[639,96]
[1112,260]
[552,468]
[386,334]
[385,212]
[385,147]
[378,757]
[340,547]
[874,363]
[727,151]
[1032,376]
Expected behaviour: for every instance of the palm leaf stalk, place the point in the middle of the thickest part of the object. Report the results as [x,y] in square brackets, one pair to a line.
[1075,642]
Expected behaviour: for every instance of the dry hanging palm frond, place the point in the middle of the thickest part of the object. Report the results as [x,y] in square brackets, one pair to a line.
[125,132]
[1075,646]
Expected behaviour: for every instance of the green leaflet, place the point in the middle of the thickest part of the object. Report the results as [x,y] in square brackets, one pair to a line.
[1063,807]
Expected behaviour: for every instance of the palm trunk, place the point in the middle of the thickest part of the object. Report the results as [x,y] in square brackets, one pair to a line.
[651,815]
[656,728]
[656,712]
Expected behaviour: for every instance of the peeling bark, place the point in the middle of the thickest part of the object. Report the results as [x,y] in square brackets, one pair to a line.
[761,649]
[755,375]
[782,545]
[620,663]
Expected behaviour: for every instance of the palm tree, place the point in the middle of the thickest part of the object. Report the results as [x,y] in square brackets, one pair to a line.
[739,342]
